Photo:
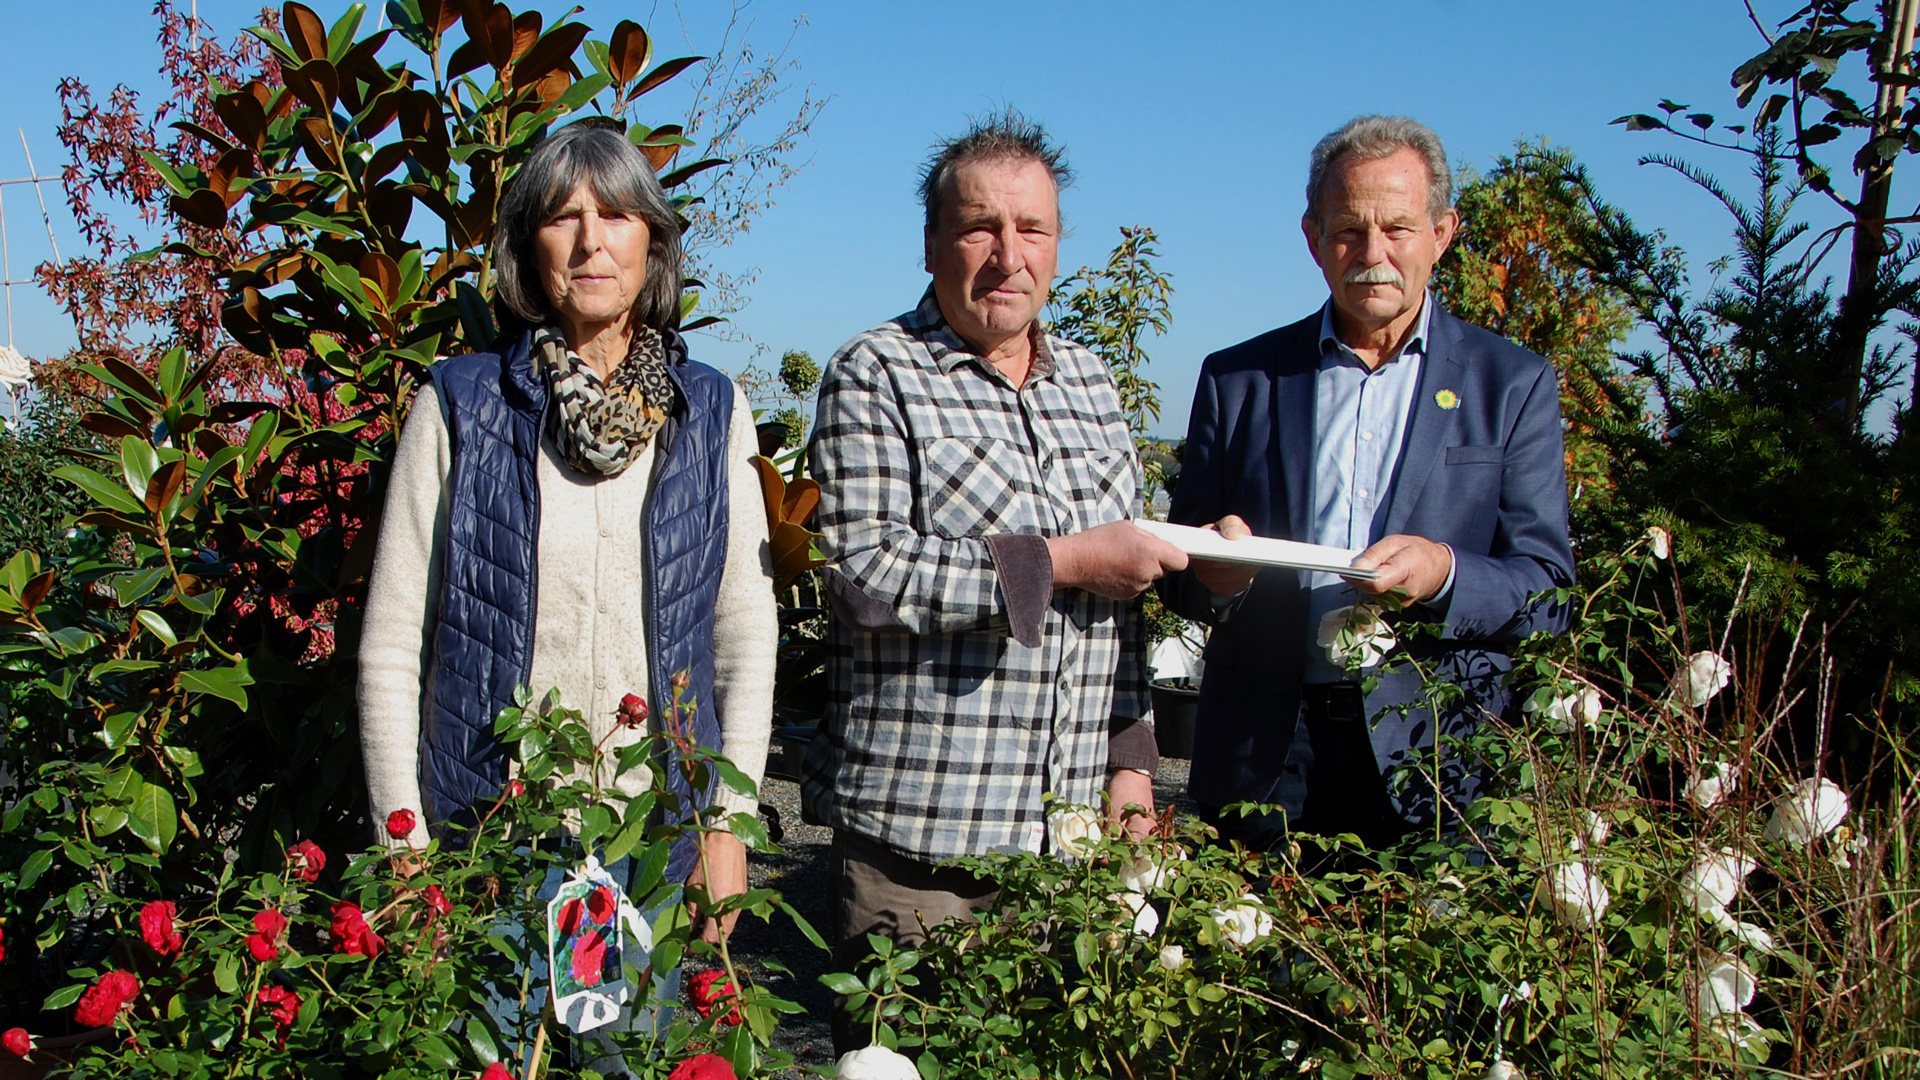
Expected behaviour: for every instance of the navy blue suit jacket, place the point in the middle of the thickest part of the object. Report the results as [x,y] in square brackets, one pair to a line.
[1486,476]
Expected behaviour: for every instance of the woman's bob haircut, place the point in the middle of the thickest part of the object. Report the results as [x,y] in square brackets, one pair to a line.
[596,154]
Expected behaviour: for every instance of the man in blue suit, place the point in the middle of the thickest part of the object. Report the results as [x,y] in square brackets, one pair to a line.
[1380,423]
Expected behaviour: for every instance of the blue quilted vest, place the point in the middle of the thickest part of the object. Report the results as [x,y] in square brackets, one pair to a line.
[483,637]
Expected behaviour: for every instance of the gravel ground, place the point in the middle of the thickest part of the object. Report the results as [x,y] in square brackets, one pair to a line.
[800,872]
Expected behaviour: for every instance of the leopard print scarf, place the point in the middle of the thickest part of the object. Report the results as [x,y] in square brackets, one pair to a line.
[600,426]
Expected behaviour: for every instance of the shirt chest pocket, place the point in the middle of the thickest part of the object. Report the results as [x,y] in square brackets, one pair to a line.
[1092,486]
[976,487]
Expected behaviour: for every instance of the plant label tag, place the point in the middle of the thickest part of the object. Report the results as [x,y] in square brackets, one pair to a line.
[590,926]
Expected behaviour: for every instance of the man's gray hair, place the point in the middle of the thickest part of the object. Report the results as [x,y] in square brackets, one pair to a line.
[1370,138]
[1005,134]
[596,154]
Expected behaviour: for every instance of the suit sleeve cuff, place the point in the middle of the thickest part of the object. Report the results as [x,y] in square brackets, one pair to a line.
[1131,745]
[1026,582]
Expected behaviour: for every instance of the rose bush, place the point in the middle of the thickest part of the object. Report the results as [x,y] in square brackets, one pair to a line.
[1616,905]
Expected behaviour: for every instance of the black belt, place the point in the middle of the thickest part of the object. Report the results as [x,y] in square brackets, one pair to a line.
[1338,702]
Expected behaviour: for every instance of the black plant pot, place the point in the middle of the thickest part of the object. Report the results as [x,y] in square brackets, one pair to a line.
[1174,704]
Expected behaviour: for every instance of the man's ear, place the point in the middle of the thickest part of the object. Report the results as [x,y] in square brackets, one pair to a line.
[1446,228]
[1311,230]
[926,249]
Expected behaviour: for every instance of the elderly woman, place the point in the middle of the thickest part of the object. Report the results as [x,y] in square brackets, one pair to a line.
[576,510]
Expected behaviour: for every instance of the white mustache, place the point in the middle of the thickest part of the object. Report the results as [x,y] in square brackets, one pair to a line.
[1374,275]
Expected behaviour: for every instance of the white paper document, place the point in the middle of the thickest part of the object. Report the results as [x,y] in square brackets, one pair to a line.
[1259,550]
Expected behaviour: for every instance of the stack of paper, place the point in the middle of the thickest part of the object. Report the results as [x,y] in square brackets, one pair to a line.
[1259,550]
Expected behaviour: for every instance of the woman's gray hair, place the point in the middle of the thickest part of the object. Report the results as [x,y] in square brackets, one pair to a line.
[620,176]
[1371,138]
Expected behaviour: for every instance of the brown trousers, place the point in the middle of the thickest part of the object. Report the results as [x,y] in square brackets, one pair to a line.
[875,890]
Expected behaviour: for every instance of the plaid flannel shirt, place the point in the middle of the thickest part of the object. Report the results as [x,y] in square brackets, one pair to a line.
[962,688]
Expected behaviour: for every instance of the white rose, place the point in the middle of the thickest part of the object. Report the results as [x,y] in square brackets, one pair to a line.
[1147,874]
[1355,635]
[1072,830]
[1705,675]
[1243,923]
[1594,834]
[1751,935]
[1146,921]
[1562,711]
[1577,896]
[1660,542]
[1505,1070]
[1711,786]
[1725,987]
[1814,808]
[1173,957]
[15,371]
[1710,885]
[875,1063]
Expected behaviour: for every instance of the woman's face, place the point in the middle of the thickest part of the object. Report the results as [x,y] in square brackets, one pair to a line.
[592,261]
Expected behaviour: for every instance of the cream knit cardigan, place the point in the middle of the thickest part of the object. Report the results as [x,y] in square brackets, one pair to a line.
[589,636]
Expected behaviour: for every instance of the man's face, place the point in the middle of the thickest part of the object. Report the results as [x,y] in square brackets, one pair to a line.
[994,249]
[1377,242]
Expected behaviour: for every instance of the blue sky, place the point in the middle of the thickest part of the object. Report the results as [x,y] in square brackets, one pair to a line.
[1193,118]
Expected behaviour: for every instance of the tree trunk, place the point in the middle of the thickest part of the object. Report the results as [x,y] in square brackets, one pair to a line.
[1870,215]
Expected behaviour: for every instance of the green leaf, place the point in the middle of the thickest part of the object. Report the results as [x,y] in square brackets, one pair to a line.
[631,833]
[152,818]
[226,682]
[841,983]
[102,490]
[138,462]
[31,870]
[157,626]
[436,1050]
[63,997]
[226,971]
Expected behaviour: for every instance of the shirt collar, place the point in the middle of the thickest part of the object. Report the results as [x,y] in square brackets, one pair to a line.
[1416,342]
[950,350]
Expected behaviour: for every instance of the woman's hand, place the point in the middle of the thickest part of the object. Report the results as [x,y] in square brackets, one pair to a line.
[722,872]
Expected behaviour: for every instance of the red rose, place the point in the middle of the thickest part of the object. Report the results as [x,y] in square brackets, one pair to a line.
[307,861]
[351,934]
[264,942]
[17,1042]
[400,824]
[102,1002]
[712,989]
[632,712]
[496,1071]
[703,1067]
[515,789]
[589,956]
[282,1004]
[156,925]
[437,901]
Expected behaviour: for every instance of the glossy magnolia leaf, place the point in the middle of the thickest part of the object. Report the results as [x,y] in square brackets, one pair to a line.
[629,52]
[662,73]
[228,683]
[306,34]
[138,462]
[158,626]
[101,490]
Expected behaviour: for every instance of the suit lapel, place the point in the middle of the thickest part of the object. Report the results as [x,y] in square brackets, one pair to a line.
[1293,432]
[1430,428]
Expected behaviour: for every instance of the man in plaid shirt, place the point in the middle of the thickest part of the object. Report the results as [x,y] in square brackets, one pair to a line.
[977,480]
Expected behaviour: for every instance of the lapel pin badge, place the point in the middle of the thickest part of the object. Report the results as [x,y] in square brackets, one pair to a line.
[1447,399]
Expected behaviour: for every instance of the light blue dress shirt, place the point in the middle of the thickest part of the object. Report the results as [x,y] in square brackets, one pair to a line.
[1360,419]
